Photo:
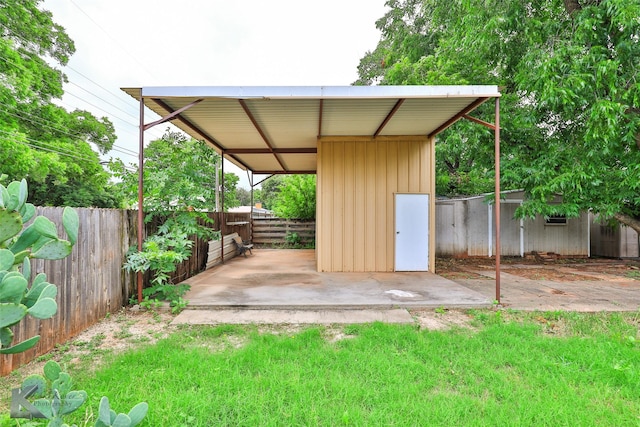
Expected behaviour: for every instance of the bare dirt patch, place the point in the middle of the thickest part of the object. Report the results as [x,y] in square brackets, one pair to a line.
[116,333]
[628,269]
[442,319]
[535,269]
[546,273]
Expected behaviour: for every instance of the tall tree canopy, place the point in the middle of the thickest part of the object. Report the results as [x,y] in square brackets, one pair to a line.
[41,141]
[568,71]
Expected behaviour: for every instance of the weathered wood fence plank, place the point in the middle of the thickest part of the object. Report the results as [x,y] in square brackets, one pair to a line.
[276,230]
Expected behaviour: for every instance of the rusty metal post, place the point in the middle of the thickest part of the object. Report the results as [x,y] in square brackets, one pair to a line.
[140,277]
[250,178]
[497,197]
[222,221]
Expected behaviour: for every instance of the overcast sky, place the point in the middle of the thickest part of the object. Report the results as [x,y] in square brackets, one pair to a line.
[133,43]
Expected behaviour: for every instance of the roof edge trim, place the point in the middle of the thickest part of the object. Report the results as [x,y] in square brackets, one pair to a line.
[317,92]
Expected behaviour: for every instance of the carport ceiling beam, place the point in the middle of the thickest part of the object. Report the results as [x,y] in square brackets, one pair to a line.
[261,132]
[389,116]
[282,172]
[310,150]
[172,114]
[480,122]
[199,131]
[458,116]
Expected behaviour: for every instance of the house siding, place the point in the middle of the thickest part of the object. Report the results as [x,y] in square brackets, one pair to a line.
[463,230]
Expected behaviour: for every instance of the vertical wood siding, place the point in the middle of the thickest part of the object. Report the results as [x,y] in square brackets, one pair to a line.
[357,180]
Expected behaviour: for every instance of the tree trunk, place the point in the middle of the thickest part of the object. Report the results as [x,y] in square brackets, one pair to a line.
[628,220]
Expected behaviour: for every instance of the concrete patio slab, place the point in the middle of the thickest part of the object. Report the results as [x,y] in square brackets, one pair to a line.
[608,294]
[287,279]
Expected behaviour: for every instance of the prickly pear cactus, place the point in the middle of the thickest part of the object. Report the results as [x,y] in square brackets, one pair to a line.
[55,398]
[54,393]
[18,244]
[108,417]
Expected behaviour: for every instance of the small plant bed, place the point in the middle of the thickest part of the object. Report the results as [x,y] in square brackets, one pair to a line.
[495,368]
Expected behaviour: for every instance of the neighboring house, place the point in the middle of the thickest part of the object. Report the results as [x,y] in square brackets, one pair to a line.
[256,212]
[464,228]
[613,241]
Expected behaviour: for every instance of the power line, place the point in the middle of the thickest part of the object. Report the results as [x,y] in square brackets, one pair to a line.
[47,125]
[103,100]
[38,147]
[158,134]
[56,150]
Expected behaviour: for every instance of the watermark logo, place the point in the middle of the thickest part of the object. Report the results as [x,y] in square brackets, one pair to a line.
[21,407]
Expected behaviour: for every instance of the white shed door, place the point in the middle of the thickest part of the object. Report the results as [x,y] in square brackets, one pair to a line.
[412,232]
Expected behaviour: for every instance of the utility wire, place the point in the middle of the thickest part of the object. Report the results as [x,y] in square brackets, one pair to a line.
[132,125]
[104,100]
[45,148]
[19,66]
[42,124]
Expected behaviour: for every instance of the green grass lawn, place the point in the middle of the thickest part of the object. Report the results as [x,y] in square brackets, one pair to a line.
[510,369]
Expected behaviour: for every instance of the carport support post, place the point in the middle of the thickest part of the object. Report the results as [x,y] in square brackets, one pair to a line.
[497,196]
[222,221]
[140,194]
[250,178]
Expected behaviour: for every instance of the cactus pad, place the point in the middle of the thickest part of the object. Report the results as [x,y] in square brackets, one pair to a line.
[10,314]
[53,249]
[10,224]
[44,308]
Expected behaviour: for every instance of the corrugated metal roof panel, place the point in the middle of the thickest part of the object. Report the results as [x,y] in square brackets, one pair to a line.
[292,118]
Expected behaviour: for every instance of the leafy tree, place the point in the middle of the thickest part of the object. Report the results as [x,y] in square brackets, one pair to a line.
[257,195]
[40,141]
[297,197]
[230,192]
[571,98]
[179,185]
[179,188]
[179,174]
[270,189]
[243,196]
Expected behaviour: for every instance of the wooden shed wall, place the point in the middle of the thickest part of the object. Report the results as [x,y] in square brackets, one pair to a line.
[356,181]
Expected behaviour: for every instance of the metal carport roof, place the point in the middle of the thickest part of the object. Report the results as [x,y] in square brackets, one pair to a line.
[269,130]
[275,129]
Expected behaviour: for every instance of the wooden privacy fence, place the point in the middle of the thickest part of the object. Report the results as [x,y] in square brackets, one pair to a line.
[91,281]
[269,231]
